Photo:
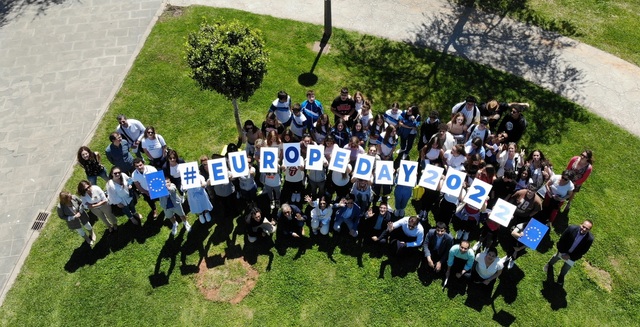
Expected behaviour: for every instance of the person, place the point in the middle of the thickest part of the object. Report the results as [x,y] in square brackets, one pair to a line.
[251,133]
[281,106]
[247,186]
[392,115]
[141,182]
[360,132]
[376,219]
[469,109]
[527,203]
[133,131]
[536,165]
[405,235]
[558,189]
[377,126]
[446,140]
[271,186]
[514,124]
[96,201]
[581,167]
[479,130]
[359,100]
[271,123]
[456,157]
[90,162]
[388,142]
[291,221]
[258,225]
[293,187]
[199,202]
[428,128]
[321,129]
[408,125]
[347,212]
[311,107]
[344,107]
[341,182]
[70,210]
[493,110]
[488,268]
[118,153]
[516,246]
[362,193]
[460,260]
[365,115]
[474,146]
[574,243]
[509,159]
[154,147]
[320,215]
[341,133]
[172,206]
[431,154]
[457,128]
[502,188]
[300,124]
[316,180]
[170,168]
[354,148]
[436,246]
[119,193]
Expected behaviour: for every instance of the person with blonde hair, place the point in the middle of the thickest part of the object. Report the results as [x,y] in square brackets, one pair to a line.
[70,210]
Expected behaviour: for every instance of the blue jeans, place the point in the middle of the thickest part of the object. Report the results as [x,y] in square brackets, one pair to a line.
[94,179]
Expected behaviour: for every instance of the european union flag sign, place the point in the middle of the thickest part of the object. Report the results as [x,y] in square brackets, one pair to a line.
[157,185]
[533,233]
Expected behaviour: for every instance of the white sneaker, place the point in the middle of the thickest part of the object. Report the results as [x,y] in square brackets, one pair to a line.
[174,229]
[207,215]
[201,218]
[187,226]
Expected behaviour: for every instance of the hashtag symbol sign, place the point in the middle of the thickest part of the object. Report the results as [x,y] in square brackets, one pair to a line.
[189,175]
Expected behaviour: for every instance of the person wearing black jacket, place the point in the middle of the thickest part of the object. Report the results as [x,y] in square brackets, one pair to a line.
[574,242]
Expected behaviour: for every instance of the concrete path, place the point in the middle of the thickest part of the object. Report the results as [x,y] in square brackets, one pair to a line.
[62,61]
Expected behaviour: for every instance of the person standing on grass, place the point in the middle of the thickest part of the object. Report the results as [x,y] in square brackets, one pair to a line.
[460,260]
[581,167]
[199,202]
[119,194]
[311,107]
[70,210]
[281,106]
[469,110]
[574,242]
[133,131]
[118,153]
[154,147]
[95,200]
[344,107]
[141,183]
[90,162]
[172,206]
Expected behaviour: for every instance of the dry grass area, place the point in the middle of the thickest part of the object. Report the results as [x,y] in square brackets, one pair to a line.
[601,277]
[229,282]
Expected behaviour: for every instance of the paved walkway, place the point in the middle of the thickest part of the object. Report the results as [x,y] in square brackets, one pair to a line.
[62,61]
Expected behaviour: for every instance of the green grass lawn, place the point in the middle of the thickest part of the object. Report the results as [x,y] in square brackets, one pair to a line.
[610,25]
[328,282]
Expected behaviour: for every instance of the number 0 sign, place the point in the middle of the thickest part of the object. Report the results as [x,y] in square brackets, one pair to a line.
[453,182]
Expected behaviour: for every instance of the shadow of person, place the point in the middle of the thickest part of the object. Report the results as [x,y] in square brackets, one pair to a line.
[195,242]
[508,286]
[502,317]
[554,294]
[169,252]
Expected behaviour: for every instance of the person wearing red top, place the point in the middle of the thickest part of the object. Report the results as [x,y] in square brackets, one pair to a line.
[581,166]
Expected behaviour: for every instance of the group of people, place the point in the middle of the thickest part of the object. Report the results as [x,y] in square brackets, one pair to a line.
[476,140]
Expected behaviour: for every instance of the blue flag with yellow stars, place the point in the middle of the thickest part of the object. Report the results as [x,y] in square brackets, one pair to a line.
[533,234]
[157,185]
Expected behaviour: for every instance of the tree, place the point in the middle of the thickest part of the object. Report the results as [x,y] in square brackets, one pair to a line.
[228,58]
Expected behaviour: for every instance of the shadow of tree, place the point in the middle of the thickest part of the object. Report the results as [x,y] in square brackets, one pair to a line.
[12,9]
[410,72]
[519,10]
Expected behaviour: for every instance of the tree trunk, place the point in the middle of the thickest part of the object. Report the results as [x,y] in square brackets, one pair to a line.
[236,115]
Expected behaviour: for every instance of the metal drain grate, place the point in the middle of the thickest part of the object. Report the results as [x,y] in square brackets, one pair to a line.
[40,220]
